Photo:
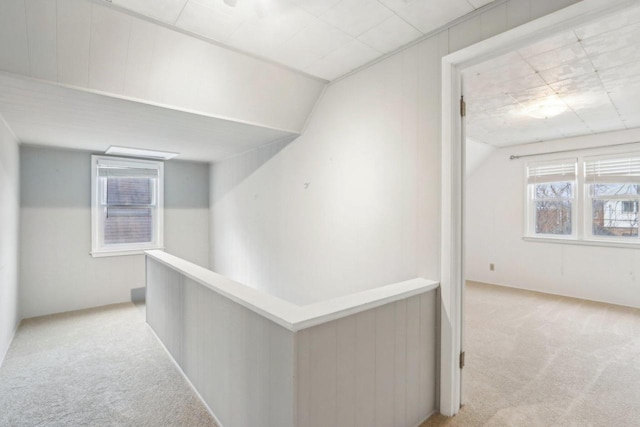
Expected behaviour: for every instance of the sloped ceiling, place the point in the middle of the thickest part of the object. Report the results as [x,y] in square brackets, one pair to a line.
[44,114]
[324,38]
[591,72]
[93,46]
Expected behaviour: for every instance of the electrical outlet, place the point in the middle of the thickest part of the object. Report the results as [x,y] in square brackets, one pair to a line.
[492,267]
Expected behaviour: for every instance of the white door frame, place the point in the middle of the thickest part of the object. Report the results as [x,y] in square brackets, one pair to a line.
[452,195]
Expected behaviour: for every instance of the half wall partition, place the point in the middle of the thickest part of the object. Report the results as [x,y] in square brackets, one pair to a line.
[365,359]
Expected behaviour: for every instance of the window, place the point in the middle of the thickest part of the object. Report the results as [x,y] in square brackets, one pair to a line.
[606,189]
[127,201]
[612,193]
[551,195]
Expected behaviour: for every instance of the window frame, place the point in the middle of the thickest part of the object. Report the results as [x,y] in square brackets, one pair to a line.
[98,248]
[583,212]
[530,203]
[588,204]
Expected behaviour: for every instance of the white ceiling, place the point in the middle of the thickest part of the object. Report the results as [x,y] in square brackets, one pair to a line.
[593,71]
[45,114]
[324,38]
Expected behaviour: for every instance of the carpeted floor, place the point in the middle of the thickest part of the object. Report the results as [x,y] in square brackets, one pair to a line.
[541,360]
[97,367]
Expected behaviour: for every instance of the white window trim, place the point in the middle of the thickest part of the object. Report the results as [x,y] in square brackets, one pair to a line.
[529,206]
[97,250]
[582,215]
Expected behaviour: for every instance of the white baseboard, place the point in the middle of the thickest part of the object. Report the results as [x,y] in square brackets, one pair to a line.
[195,390]
[428,416]
[4,354]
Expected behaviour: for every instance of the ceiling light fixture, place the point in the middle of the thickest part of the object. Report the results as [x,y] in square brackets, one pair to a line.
[139,152]
[545,108]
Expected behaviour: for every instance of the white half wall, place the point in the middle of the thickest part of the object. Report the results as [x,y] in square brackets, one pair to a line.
[495,226]
[94,46]
[57,272]
[9,217]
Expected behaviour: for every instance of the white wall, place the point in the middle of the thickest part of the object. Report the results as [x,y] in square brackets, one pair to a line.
[476,153]
[9,216]
[369,215]
[57,272]
[91,45]
[495,227]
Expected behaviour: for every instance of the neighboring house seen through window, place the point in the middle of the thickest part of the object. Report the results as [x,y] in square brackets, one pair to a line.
[126,205]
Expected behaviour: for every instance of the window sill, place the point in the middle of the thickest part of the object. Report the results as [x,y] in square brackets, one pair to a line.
[603,243]
[126,252]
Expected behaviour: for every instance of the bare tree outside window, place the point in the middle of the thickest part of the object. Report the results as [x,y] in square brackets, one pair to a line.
[554,208]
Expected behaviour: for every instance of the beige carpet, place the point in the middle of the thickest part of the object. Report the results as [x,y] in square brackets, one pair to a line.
[98,367]
[541,360]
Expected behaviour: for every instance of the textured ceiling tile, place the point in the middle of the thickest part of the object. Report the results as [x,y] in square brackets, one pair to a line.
[601,119]
[551,43]
[614,40]
[218,22]
[316,7]
[344,59]
[319,38]
[616,58]
[624,78]
[390,35]
[355,17]
[164,10]
[428,15]
[568,70]
[263,35]
[609,23]
[528,95]
[556,57]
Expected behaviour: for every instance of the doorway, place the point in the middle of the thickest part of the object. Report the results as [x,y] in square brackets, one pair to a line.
[453,182]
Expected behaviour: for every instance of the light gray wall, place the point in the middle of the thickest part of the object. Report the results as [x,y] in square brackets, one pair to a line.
[9,215]
[57,272]
[353,203]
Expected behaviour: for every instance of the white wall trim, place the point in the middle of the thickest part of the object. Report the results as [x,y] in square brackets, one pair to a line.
[6,351]
[291,316]
[452,194]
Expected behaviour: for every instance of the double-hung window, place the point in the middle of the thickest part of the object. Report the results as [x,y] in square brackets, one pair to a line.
[127,201]
[588,200]
[612,196]
[551,199]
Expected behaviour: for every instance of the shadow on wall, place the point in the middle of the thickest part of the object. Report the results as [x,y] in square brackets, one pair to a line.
[243,166]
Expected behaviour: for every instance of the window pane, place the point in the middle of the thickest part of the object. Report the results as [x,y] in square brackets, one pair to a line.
[554,217]
[599,190]
[554,190]
[617,218]
[129,191]
[128,225]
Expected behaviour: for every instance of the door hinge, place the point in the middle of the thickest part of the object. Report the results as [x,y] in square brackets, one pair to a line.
[462,360]
[463,107]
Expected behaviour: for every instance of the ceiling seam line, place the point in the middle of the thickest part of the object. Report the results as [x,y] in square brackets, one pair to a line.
[184,6]
[597,72]
[396,14]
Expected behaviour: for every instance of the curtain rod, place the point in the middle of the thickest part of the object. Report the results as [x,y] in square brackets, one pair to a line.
[514,157]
